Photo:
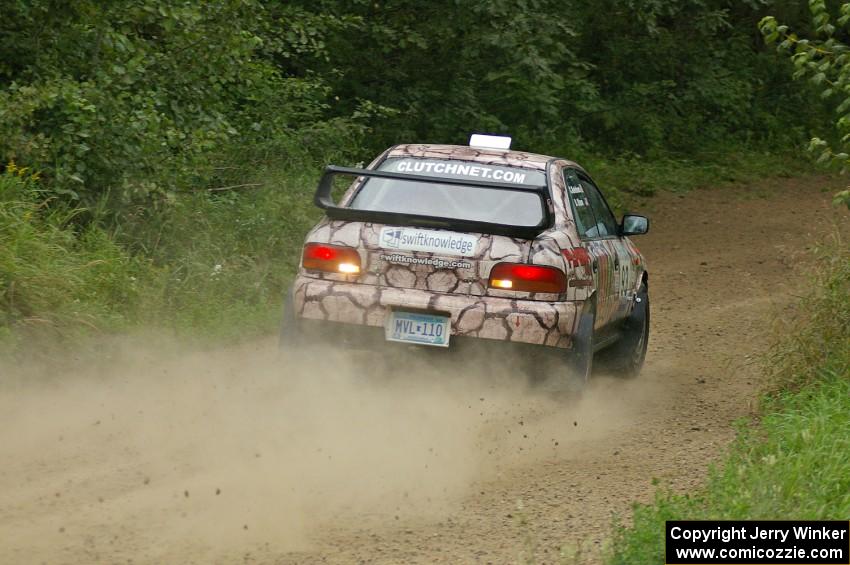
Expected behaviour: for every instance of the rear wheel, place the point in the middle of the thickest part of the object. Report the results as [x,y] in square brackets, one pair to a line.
[625,358]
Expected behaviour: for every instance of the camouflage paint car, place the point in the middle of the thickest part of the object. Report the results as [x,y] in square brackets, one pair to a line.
[474,243]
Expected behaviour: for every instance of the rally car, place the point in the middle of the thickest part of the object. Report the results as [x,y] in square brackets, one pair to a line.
[442,246]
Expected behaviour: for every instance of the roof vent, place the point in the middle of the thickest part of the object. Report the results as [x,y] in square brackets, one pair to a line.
[490,141]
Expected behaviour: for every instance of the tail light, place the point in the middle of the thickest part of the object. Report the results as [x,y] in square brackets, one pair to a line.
[528,278]
[331,258]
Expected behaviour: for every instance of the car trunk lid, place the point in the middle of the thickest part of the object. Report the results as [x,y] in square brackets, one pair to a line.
[435,260]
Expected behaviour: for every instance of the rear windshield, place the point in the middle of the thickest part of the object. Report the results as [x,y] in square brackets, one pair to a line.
[509,207]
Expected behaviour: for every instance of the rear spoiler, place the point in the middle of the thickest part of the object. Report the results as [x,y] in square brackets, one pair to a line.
[324,201]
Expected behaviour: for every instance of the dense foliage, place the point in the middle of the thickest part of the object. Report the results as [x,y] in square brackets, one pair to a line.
[825,60]
[642,76]
[140,98]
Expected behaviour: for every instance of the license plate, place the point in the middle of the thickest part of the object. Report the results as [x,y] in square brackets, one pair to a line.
[425,329]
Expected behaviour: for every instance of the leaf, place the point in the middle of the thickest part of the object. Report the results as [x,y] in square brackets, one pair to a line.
[842,197]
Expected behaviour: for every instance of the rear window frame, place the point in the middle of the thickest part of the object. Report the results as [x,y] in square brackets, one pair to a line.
[547,210]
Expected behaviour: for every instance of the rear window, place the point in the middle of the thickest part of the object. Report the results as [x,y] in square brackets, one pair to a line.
[522,207]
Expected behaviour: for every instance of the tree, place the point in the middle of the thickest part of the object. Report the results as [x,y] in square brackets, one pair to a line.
[823,59]
[138,98]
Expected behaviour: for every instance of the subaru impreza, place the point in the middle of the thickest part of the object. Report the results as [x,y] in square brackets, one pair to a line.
[444,246]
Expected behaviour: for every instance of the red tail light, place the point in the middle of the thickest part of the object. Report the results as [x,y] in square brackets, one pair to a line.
[528,278]
[331,258]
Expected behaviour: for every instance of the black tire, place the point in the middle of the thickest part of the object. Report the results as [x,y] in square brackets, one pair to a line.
[625,358]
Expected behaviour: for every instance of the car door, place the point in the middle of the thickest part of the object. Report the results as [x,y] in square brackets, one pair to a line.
[594,233]
[621,269]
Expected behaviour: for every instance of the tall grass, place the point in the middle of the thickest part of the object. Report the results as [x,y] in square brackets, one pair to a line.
[795,462]
[211,264]
[224,259]
[56,279]
[821,337]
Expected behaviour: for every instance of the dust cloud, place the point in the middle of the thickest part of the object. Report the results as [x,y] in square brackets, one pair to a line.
[152,453]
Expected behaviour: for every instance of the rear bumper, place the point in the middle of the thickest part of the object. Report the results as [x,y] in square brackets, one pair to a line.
[488,318]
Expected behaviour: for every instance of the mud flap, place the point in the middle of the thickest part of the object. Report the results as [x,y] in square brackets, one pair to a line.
[580,359]
[290,332]
[567,371]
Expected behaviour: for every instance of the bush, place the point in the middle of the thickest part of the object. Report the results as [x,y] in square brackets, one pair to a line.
[133,101]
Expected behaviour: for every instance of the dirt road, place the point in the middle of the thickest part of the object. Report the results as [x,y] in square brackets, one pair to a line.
[159,456]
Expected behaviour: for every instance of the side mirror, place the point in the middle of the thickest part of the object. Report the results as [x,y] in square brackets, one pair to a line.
[634,224]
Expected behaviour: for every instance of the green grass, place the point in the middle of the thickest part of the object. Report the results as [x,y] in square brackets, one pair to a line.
[795,462]
[224,259]
[215,265]
[55,280]
[627,178]
[210,265]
